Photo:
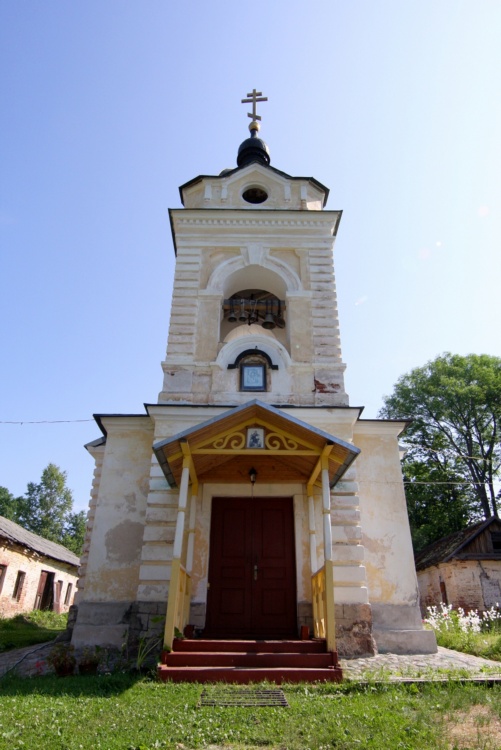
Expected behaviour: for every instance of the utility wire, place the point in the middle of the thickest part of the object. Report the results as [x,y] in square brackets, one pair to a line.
[48,421]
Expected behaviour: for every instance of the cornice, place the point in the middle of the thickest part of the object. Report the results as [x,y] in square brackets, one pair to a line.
[380,427]
[254,222]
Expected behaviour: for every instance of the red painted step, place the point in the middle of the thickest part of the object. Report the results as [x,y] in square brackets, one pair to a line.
[245,676]
[254,660]
[245,661]
[314,646]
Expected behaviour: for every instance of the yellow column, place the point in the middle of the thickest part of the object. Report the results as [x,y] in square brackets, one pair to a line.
[329,573]
[191,529]
[312,530]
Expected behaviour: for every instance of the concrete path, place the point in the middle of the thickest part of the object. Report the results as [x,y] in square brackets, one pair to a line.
[446,664]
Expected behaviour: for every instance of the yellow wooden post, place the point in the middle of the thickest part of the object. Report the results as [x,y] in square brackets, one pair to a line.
[330,615]
[312,530]
[330,619]
[175,577]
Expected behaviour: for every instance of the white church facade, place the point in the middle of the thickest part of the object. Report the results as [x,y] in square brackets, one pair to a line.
[251,501]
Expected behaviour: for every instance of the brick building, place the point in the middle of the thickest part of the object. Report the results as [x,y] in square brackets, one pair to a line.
[463,568]
[34,572]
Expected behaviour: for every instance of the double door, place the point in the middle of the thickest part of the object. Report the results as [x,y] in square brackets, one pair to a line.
[252,577]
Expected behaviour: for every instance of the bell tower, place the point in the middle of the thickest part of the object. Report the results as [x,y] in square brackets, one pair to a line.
[252,453]
[254,302]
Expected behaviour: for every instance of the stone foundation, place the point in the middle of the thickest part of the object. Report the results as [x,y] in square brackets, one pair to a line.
[354,631]
[118,625]
[305,615]
[398,629]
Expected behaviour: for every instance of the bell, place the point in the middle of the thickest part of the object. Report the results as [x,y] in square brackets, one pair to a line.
[232,318]
[253,317]
[243,315]
[279,320]
[269,321]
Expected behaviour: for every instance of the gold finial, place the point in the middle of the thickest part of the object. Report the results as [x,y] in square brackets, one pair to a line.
[254,98]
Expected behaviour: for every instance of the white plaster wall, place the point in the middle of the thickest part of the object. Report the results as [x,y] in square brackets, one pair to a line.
[226,192]
[117,533]
[386,536]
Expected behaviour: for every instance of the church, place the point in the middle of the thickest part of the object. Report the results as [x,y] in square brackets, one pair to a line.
[251,501]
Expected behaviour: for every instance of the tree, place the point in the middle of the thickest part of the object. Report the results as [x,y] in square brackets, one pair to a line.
[47,510]
[47,504]
[436,508]
[8,504]
[74,532]
[454,440]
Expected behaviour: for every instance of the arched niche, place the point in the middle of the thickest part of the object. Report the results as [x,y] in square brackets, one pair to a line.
[246,337]
[271,274]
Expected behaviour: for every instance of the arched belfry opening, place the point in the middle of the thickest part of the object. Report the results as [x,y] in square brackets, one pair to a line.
[254,307]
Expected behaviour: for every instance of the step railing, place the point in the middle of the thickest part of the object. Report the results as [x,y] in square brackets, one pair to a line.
[319,604]
[178,607]
[324,624]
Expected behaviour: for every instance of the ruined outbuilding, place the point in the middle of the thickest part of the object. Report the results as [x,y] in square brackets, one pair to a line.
[35,573]
[463,568]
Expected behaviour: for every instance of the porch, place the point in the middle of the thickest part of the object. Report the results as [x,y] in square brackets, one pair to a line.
[249,441]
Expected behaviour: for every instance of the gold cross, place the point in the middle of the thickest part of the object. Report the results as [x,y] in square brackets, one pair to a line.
[255,97]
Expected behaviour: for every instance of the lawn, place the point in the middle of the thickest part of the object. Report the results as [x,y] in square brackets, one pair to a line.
[123,712]
[30,629]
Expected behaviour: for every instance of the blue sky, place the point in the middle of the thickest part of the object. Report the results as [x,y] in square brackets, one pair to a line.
[107,107]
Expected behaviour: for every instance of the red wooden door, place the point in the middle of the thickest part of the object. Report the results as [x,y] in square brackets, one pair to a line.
[45,591]
[252,591]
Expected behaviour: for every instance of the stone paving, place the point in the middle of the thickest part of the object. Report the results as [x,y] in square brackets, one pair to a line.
[445,664]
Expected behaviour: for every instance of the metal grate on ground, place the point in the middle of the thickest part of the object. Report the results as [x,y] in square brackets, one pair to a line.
[242,696]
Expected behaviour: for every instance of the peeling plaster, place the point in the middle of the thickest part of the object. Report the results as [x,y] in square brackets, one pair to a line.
[118,584]
[326,387]
[124,542]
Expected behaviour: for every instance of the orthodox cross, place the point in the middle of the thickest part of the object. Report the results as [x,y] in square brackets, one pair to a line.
[255,97]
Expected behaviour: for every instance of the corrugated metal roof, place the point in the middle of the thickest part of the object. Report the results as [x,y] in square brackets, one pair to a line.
[443,549]
[15,533]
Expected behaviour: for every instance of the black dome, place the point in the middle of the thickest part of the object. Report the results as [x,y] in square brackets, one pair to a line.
[253,149]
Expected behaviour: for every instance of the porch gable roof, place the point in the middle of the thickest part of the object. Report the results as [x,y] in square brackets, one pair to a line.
[217,450]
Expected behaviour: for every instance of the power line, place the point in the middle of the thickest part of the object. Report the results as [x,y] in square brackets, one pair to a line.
[48,421]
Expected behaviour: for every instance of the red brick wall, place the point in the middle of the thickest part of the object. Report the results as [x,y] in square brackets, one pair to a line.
[470,584]
[17,559]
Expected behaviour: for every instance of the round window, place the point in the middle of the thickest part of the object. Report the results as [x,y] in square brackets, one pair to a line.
[255,195]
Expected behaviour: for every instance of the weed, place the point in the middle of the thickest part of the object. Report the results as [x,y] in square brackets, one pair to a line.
[471,632]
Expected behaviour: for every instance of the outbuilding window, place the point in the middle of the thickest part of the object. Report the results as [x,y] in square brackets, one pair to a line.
[496,542]
[18,587]
[67,598]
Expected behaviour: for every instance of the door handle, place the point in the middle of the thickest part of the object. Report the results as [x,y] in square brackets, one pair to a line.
[255,572]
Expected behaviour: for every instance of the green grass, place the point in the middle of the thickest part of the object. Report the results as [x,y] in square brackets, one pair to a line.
[30,629]
[122,712]
[487,645]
